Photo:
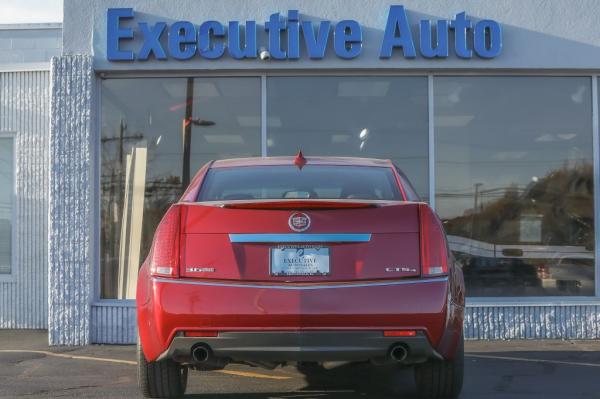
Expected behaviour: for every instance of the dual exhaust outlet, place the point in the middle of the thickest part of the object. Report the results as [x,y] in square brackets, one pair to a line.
[202,353]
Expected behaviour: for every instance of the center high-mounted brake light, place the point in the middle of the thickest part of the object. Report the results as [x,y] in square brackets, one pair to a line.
[300,204]
[164,255]
[434,249]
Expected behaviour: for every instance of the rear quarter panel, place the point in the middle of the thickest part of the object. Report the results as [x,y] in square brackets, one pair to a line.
[453,330]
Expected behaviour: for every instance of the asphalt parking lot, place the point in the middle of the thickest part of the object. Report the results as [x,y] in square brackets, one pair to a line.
[518,369]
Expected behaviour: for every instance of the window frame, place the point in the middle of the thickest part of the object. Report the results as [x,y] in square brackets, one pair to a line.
[11,277]
[96,168]
[534,300]
[365,74]
[431,76]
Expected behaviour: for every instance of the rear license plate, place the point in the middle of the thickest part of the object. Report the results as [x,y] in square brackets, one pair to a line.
[299,261]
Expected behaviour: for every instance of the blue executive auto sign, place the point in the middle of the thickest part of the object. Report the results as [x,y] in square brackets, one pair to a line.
[183,40]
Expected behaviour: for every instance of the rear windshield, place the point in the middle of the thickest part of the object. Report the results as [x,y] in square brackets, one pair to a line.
[289,182]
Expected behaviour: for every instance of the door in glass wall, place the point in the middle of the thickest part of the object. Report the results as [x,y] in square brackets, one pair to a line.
[156,134]
[514,182]
[373,117]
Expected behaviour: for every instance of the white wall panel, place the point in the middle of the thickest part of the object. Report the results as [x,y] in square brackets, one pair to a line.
[113,324]
[24,112]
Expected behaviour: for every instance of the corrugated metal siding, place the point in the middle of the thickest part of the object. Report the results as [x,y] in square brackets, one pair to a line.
[116,324]
[24,110]
[113,324]
[70,201]
[533,322]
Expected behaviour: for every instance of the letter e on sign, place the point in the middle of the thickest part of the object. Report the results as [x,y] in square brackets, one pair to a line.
[114,34]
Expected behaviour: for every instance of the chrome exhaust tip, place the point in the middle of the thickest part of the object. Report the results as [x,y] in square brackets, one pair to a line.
[398,353]
[200,353]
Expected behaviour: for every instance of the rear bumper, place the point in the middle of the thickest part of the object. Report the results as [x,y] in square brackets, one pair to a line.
[317,346]
[244,314]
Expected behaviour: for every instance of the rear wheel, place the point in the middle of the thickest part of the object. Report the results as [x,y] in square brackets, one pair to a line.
[441,378]
[162,379]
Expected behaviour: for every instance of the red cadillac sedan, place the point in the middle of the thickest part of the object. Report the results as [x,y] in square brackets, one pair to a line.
[272,261]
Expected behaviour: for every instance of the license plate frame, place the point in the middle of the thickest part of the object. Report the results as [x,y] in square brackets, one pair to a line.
[299,261]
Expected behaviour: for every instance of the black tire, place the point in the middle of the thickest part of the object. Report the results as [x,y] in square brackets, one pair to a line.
[441,378]
[163,379]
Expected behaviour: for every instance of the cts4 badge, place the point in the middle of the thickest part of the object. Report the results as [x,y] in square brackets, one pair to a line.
[299,221]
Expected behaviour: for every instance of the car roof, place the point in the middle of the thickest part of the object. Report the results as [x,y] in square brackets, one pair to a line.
[276,161]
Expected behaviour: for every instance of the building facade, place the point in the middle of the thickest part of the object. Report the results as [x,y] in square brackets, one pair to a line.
[489,107]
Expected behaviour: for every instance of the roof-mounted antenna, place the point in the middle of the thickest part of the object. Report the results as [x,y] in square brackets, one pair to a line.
[300,161]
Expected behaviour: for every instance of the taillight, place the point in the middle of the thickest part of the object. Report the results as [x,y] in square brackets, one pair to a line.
[164,255]
[434,249]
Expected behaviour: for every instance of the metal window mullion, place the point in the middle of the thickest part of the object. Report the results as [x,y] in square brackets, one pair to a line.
[263,115]
[596,158]
[97,194]
[431,140]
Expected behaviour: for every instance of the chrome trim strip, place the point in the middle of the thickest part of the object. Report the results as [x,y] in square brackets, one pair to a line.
[302,287]
[300,237]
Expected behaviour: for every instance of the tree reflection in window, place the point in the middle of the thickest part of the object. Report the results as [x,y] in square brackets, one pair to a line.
[514,183]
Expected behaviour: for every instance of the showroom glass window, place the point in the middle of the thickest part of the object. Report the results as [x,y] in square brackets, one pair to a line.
[7,185]
[152,129]
[356,116]
[514,182]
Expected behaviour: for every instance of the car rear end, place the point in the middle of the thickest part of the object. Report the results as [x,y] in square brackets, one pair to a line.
[270,264]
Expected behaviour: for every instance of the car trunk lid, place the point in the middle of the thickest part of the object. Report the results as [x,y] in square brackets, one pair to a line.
[251,241]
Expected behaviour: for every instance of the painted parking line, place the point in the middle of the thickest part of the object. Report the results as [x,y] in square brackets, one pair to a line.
[246,374]
[253,375]
[249,374]
[521,359]
[65,356]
